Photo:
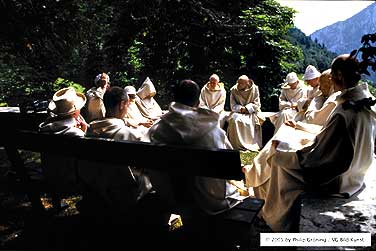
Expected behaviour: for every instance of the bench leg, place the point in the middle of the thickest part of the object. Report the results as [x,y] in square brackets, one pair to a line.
[20,169]
[36,203]
[56,201]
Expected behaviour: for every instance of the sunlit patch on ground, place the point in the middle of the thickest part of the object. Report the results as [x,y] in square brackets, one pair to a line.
[247,157]
[355,214]
[335,215]
[46,202]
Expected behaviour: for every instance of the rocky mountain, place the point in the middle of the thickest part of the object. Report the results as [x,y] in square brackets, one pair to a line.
[345,36]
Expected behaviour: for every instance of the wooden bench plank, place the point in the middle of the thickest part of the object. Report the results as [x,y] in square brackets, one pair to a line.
[15,120]
[245,211]
[217,163]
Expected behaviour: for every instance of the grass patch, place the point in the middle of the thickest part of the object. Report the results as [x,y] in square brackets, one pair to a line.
[247,157]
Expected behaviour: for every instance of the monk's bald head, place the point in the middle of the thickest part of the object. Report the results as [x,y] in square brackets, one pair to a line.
[244,82]
[187,92]
[326,84]
[214,77]
[345,71]
[213,81]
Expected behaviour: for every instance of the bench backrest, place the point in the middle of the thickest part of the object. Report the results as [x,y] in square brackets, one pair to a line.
[16,120]
[218,163]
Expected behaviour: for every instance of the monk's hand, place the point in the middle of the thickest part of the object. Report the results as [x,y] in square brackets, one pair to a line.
[290,123]
[243,110]
[81,123]
[147,124]
[275,143]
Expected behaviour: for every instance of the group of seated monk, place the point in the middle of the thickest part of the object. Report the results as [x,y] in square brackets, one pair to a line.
[324,136]
[330,156]
[243,121]
[295,97]
[123,187]
[296,103]
[142,112]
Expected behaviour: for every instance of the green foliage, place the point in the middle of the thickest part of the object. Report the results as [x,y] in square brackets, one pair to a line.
[45,39]
[134,55]
[39,35]
[371,87]
[14,87]
[42,41]
[165,40]
[193,39]
[313,53]
[368,54]
[62,83]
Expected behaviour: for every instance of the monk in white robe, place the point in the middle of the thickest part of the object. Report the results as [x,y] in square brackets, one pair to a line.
[133,117]
[334,162]
[94,108]
[291,100]
[311,76]
[118,186]
[113,128]
[213,95]
[146,103]
[185,124]
[302,133]
[244,128]
[312,92]
[321,106]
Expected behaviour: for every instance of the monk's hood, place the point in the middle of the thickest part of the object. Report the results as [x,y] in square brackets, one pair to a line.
[190,123]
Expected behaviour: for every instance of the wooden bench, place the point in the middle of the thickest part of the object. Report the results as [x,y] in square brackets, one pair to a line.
[18,132]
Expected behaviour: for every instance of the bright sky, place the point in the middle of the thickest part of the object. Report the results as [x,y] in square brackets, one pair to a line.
[314,15]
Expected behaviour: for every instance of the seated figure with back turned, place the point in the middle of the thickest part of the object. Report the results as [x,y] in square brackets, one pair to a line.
[65,119]
[121,188]
[185,124]
[112,125]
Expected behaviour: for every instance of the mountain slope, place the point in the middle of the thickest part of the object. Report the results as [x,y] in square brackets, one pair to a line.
[314,53]
[343,37]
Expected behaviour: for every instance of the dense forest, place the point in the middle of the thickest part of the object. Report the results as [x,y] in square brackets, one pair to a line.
[313,53]
[48,44]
